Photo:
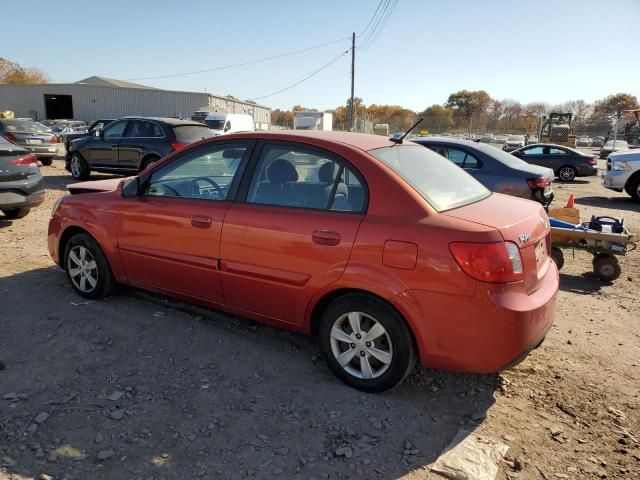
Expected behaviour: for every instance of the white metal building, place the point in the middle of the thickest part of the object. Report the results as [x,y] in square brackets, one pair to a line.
[100,97]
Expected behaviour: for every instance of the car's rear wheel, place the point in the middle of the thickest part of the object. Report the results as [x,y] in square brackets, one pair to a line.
[87,267]
[15,213]
[566,173]
[148,162]
[366,343]
[79,168]
[46,161]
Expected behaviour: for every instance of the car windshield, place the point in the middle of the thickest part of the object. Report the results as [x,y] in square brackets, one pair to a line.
[439,181]
[191,133]
[215,124]
[619,143]
[23,126]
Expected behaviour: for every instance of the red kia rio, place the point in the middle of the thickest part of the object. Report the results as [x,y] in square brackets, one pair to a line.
[386,251]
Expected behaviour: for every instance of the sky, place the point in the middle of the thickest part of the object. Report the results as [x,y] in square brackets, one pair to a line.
[540,50]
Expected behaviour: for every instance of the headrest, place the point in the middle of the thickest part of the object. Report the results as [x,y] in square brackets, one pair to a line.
[281,171]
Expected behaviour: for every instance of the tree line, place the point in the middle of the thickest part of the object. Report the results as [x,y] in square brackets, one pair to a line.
[11,72]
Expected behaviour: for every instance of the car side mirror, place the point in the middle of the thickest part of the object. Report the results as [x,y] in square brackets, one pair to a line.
[132,187]
[97,133]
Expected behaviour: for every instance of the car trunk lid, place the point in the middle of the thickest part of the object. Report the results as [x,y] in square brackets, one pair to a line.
[520,221]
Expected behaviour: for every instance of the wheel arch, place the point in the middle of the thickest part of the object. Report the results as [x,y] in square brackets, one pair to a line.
[328,297]
[632,178]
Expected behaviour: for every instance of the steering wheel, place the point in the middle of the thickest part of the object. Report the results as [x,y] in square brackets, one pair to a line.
[195,188]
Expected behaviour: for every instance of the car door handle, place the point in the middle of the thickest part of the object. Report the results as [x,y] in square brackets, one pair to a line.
[200,221]
[326,237]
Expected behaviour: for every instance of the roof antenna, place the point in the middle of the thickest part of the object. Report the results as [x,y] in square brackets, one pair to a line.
[400,139]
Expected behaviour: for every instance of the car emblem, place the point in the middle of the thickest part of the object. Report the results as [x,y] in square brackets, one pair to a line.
[524,237]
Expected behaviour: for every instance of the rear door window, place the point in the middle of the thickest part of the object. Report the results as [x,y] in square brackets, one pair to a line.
[144,129]
[191,133]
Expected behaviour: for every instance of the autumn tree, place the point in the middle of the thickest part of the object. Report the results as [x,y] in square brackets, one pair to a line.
[437,118]
[614,105]
[11,72]
[468,105]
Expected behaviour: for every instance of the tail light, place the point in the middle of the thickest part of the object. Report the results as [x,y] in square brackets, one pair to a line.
[24,160]
[178,146]
[540,182]
[10,136]
[54,139]
[592,161]
[497,262]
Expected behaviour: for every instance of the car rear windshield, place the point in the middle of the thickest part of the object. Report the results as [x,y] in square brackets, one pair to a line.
[503,157]
[191,133]
[439,181]
[22,126]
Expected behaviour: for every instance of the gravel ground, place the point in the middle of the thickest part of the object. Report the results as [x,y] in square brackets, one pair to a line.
[141,387]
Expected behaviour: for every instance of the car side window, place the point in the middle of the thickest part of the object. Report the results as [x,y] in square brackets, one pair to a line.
[556,151]
[462,159]
[297,177]
[143,129]
[115,130]
[533,151]
[208,173]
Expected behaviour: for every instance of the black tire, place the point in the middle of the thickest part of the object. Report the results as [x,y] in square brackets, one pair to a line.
[558,257]
[566,173]
[79,167]
[148,161]
[105,282]
[606,267]
[16,213]
[633,187]
[46,161]
[398,334]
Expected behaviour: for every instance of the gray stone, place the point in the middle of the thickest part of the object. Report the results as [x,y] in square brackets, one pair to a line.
[41,417]
[282,451]
[115,396]
[99,438]
[117,414]
[105,455]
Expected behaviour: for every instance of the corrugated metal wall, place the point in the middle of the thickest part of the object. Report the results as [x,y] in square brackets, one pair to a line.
[91,102]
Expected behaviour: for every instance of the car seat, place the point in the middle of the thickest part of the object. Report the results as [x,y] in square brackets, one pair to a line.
[279,189]
[327,175]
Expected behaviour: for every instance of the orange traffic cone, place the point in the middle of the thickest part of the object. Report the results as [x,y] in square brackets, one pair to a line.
[570,202]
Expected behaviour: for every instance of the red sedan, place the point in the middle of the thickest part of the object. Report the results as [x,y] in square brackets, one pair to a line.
[387,252]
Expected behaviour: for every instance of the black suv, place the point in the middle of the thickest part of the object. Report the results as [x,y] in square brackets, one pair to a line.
[131,144]
[90,130]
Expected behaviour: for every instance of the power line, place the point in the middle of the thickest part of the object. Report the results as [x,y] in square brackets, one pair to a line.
[375,36]
[241,64]
[375,23]
[307,77]
[371,19]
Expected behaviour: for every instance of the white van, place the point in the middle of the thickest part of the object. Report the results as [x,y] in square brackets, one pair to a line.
[221,123]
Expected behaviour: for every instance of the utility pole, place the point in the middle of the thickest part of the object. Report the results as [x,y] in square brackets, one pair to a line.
[352,109]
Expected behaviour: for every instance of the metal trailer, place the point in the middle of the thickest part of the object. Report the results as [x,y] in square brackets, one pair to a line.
[603,246]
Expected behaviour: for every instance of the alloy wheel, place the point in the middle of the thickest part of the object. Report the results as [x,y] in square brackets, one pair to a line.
[82,269]
[361,345]
[566,174]
[75,166]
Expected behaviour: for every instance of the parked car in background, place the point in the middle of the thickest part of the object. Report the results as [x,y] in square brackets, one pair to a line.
[513,142]
[32,136]
[583,141]
[486,138]
[88,131]
[613,146]
[21,183]
[566,162]
[597,141]
[462,280]
[224,123]
[500,139]
[623,173]
[499,171]
[131,144]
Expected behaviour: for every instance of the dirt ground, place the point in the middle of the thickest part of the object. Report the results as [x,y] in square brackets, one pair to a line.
[140,387]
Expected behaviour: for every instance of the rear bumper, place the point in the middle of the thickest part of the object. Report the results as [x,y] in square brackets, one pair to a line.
[22,193]
[490,331]
[587,170]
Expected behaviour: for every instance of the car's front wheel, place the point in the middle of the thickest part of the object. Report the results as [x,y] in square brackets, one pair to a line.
[366,343]
[633,187]
[46,161]
[566,173]
[79,168]
[15,213]
[87,267]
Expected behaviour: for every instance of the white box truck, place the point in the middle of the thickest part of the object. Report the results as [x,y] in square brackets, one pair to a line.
[313,121]
[221,123]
